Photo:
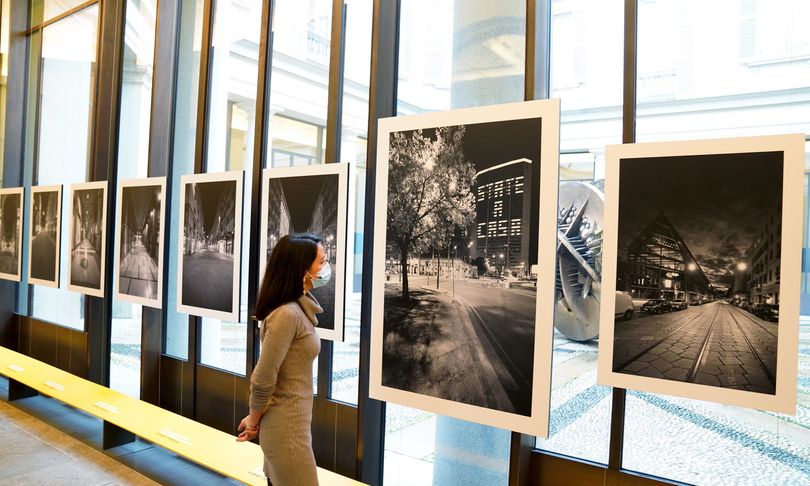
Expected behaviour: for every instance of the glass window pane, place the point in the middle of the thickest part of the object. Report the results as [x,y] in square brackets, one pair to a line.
[4,38]
[232,116]
[68,80]
[300,78]
[586,74]
[353,145]
[185,126]
[721,69]
[48,9]
[453,55]
[133,163]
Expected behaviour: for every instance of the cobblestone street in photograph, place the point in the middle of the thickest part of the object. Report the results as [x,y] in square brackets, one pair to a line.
[715,344]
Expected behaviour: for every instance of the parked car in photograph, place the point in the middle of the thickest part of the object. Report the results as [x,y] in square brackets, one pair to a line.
[768,312]
[678,304]
[624,306]
[656,306]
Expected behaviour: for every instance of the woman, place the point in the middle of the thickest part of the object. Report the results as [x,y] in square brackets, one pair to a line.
[281,384]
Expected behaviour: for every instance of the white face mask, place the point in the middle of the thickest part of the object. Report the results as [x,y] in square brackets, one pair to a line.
[322,278]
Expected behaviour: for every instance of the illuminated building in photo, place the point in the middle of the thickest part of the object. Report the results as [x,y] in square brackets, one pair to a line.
[657,263]
[766,255]
[502,216]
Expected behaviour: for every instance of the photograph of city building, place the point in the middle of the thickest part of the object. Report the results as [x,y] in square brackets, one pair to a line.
[46,211]
[459,298]
[211,238]
[311,199]
[11,233]
[698,252]
[87,234]
[139,241]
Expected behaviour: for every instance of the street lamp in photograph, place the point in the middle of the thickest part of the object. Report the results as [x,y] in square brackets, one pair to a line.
[691,267]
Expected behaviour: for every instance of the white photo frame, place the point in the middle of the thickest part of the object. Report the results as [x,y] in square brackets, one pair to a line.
[544,143]
[624,369]
[44,236]
[12,266]
[337,176]
[86,260]
[133,279]
[222,285]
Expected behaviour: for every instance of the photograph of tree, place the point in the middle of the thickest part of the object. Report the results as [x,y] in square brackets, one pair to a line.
[311,199]
[11,233]
[138,273]
[211,237]
[46,213]
[460,318]
[700,253]
[87,234]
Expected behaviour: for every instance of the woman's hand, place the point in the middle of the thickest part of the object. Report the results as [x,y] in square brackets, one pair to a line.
[248,428]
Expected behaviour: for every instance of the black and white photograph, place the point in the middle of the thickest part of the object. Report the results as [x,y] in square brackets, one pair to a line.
[211,238]
[311,199]
[46,215]
[464,274]
[11,209]
[87,235]
[702,255]
[139,241]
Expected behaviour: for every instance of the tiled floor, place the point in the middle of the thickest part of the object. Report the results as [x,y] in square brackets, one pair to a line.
[44,442]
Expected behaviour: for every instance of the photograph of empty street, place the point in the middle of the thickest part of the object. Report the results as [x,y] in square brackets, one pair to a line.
[10,233]
[461,247]
[87,238]
[44,258]
[699,257]
[208,265]
[308,204]
[139,243]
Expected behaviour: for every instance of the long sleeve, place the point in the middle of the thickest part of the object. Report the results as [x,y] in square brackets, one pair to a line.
[281,329]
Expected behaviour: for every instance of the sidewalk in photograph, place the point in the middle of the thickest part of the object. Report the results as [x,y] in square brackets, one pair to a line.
[715,344]
[433,349]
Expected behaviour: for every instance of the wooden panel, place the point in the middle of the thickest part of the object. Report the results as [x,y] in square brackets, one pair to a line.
[324,416]
[171,383]
[58,346]
[215,398]
[549,469]
[346,435]
[9,325]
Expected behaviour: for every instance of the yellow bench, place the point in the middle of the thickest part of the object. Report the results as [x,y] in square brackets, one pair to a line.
[200,443]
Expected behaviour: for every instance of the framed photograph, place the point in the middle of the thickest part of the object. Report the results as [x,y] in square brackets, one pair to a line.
[87,235]
[311,199]
[702,249]
[464,258]
[11,211]
[46,217]
[208,273]
[139,241]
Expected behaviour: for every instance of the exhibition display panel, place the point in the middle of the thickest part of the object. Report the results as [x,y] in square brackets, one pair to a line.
[464,252]
[311,199]
[707,234]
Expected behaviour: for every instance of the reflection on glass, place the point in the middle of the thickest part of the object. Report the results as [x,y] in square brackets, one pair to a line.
[4,38]
[586,74]
[48,9]
[234,77]
[453,55]
[133,163]
[68,80]
[299,90]
[694,86]
[185,122]
[296,143]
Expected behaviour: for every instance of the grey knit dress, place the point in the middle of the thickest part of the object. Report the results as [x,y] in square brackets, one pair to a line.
[281,386]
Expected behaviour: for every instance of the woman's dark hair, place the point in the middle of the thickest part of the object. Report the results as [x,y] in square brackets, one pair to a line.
[284,277]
